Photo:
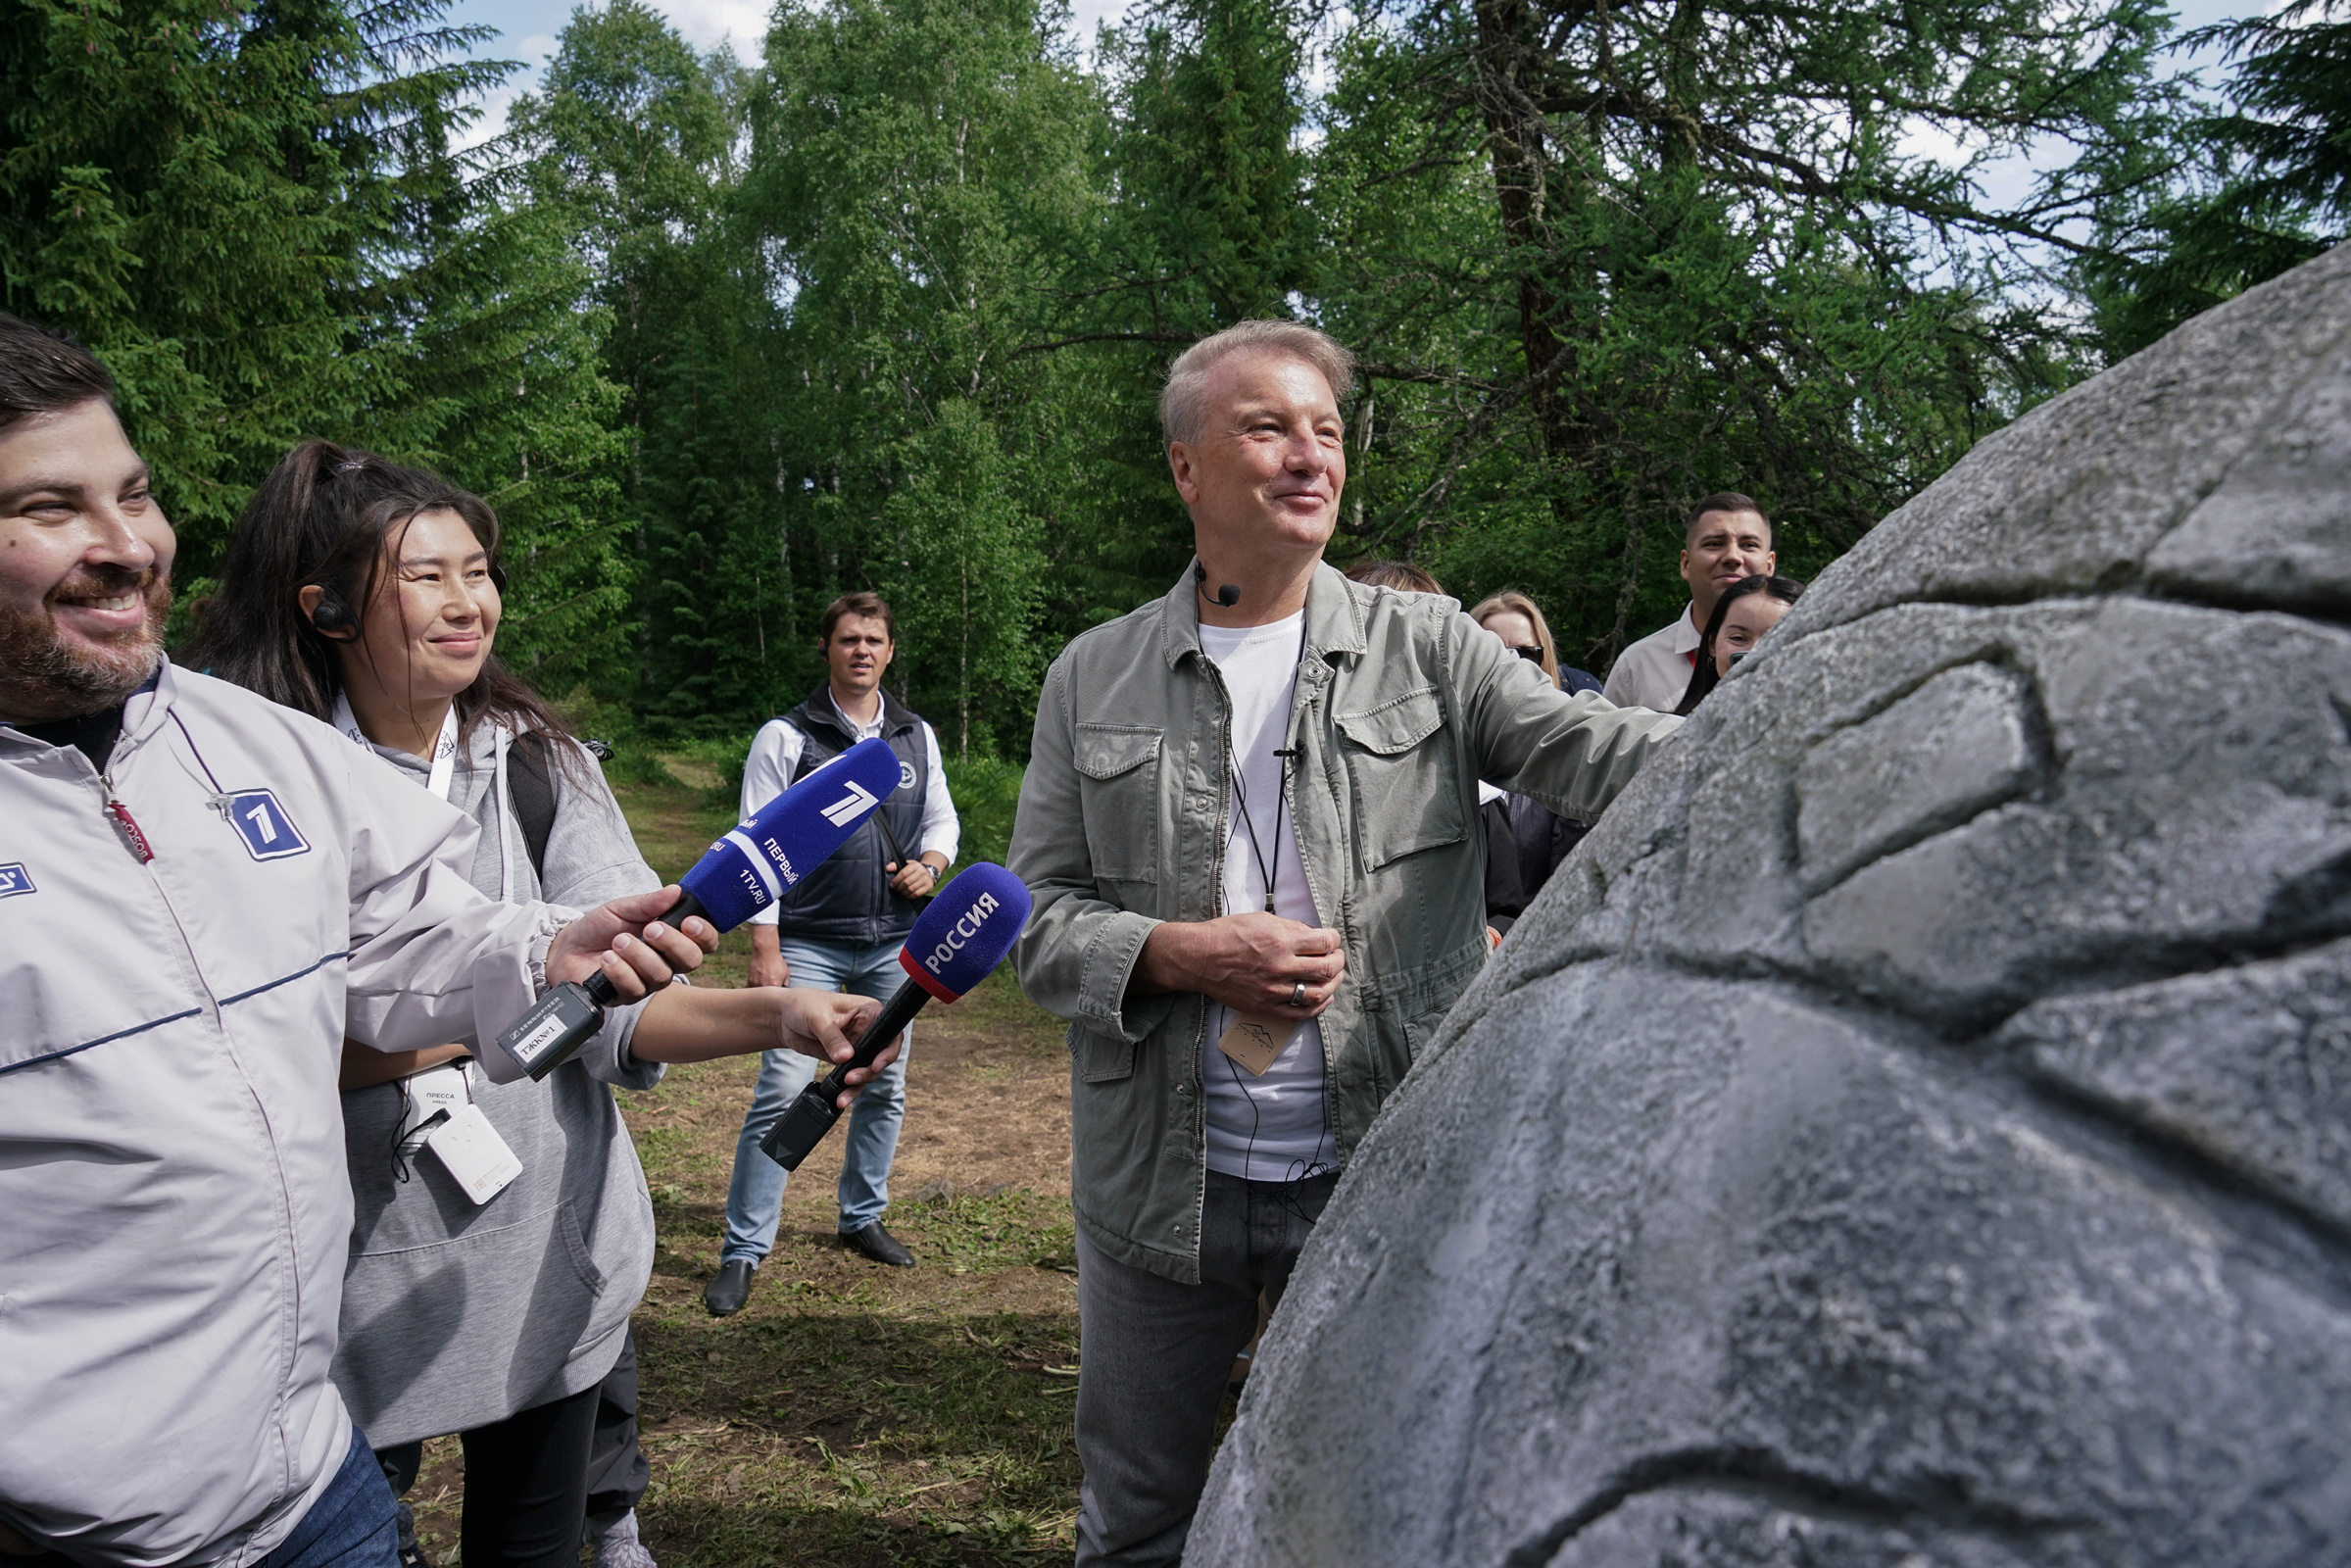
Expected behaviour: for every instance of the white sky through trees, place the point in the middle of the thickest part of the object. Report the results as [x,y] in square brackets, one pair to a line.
[528,29]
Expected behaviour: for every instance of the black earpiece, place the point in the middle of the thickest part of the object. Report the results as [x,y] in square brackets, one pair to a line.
[1227,593]
[332,618]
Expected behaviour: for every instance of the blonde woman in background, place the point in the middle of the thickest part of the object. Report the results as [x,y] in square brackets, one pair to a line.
[1516,620]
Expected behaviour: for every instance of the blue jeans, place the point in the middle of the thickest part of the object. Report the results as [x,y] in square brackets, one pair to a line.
[354,1524]
[755,1196]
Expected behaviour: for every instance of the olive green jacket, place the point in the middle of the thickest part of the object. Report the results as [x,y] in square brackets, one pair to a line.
[1402,705]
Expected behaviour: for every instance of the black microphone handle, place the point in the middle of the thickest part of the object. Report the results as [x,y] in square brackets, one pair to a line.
[600,989]
[810,1116]
[898,1012]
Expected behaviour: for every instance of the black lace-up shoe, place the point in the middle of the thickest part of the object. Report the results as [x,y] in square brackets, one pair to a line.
[878,1245]
[725,1294]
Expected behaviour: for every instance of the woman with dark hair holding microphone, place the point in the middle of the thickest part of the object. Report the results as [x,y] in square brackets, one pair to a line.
[367,594]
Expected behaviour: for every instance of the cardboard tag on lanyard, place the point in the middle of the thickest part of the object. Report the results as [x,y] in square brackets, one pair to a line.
[433,1098]
[1256,1042]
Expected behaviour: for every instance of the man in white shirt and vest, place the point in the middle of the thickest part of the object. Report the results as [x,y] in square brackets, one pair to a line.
[840,927]
[1727,538]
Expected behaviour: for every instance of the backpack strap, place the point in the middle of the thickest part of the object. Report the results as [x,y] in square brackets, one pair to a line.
[530,785]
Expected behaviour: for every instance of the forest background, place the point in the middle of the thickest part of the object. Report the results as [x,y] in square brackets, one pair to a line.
[887,305]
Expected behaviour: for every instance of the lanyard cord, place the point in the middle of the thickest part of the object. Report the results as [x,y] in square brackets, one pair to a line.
[443,761]
[1268,873]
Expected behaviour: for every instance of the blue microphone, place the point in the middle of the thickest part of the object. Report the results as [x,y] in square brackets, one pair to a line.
[955,944]
[741,874]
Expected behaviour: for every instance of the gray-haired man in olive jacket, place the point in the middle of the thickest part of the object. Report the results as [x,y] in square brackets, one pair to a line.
[1249,821]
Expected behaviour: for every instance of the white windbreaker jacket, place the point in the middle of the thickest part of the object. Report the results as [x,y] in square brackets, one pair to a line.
[174,1212]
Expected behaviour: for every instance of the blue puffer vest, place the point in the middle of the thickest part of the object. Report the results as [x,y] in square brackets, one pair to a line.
[848,898]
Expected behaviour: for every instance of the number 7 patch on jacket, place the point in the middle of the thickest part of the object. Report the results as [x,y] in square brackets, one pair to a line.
[268,833]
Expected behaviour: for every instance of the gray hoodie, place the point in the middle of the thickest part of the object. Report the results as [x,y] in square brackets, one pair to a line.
[572,1235]
[174,1215]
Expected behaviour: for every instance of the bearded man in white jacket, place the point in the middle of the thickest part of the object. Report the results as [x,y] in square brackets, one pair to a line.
[201,895]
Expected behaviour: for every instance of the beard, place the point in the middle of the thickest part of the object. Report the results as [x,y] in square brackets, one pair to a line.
[43,675]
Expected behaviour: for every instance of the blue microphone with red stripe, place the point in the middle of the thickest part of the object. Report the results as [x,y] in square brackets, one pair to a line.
[743,874]
[955,944]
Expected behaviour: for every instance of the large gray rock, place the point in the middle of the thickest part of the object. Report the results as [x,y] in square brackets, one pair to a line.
[1915,1129]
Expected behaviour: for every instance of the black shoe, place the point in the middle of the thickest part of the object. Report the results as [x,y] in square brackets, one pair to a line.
[725,1294]
[878,1245]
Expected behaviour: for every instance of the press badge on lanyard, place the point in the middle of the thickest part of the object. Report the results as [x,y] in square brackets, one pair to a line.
[442,1117]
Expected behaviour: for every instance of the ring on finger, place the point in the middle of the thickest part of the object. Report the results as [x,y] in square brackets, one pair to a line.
[1298,995]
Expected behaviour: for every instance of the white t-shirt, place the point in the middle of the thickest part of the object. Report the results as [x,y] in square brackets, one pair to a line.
[1275,1128]
[1654,671]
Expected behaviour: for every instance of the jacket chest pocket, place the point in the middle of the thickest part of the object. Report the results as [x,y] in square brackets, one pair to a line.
[1118,788]
[1400,764]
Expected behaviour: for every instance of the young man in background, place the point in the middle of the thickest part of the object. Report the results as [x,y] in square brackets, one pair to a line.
[1727,538]
[840,926]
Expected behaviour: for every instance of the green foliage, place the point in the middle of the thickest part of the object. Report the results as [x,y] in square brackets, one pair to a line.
[887,308]
[1212,226]
[632,138]
[256,217]
[1611,260]
[2264,186]
[911,160]
[133,131]
[986,792]
[959,556]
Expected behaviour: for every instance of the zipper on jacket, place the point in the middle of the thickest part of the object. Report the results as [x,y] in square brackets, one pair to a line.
[125,823]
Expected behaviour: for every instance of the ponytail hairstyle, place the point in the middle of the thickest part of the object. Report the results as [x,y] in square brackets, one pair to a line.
[330,517]
[1703,679]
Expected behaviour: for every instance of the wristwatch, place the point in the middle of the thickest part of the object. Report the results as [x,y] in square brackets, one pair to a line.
[937,876]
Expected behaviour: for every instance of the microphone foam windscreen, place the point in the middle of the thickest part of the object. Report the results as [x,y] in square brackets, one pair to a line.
[759,862]
[966,933]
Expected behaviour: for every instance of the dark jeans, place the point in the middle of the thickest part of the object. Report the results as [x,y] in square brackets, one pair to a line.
[351,1526]
[1157,1356]
[527,1485]
[617,1473]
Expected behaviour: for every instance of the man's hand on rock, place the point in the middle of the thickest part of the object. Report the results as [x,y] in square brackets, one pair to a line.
[1252,963]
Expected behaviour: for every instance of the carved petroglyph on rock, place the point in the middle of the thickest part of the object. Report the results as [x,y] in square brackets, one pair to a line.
[1915,1128]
